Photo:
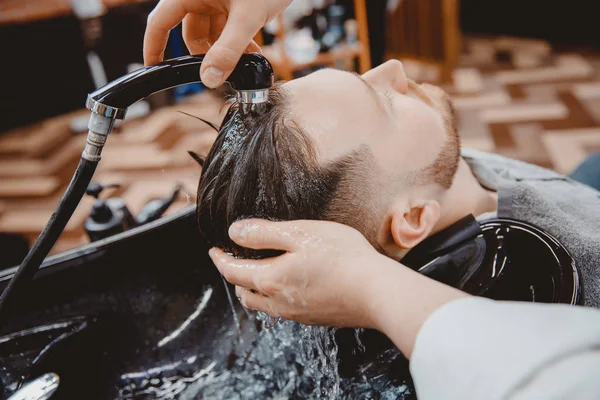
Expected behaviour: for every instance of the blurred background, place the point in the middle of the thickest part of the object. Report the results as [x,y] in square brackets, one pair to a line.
[524,76]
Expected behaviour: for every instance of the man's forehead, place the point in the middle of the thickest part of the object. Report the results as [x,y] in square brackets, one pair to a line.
[326,77]
[335,109]
[324,86]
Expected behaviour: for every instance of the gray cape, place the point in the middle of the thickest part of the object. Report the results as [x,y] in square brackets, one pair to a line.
[565,209]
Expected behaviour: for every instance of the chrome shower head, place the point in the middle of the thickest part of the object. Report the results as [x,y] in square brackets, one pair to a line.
[251,79]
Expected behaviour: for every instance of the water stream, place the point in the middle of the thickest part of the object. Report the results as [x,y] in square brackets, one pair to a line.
[253,358]
[292,361]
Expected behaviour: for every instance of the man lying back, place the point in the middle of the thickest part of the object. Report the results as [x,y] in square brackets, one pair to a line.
[381,154]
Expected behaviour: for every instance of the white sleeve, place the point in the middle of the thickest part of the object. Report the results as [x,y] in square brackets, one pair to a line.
[475,348]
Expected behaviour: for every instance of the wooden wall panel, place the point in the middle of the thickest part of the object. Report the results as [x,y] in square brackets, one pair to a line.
[425,30]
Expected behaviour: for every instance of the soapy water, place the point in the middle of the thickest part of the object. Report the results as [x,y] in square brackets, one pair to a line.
[235,134]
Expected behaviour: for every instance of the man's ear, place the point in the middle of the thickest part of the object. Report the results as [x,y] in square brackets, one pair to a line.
[411,225]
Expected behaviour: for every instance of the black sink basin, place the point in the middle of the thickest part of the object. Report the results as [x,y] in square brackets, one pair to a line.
[145,314]
[106,309]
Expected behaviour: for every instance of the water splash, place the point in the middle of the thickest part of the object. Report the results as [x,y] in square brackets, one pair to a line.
[268,321]
[288,361]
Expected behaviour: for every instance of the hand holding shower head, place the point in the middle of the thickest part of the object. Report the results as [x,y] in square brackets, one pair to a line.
[252,78]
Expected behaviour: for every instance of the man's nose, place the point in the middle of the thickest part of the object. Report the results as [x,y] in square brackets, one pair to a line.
[390,75]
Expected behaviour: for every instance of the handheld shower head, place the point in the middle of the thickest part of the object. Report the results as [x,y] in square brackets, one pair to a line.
[251,79]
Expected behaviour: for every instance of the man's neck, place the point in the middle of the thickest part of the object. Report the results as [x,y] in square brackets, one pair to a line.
[465,196]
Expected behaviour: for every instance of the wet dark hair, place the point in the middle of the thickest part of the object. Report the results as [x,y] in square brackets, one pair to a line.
[263,165]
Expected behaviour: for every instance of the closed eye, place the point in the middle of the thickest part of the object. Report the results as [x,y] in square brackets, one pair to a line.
[390,99]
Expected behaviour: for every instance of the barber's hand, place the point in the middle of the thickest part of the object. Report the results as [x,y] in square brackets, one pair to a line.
[323,278]
[223,29]
[330,275]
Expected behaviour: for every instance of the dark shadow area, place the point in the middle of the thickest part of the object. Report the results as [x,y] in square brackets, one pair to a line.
[44,70]
[570,23]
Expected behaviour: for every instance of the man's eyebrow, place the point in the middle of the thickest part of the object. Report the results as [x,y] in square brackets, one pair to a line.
[374,93]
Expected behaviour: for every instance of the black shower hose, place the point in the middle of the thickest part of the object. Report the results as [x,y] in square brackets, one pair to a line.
[45,241]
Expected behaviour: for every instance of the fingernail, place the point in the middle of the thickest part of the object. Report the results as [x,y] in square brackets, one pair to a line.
[235,231]
[211,253]
[212,77]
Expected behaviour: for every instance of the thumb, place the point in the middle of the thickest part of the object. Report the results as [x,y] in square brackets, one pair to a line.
[224,55]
